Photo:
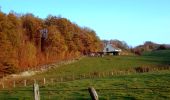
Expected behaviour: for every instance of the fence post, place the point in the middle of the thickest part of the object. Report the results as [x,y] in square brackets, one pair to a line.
[14,84]
[3,86]
[93,93]
[36,92]
[103,74]
[25,83]
[84,76]
[99,75]
[73,78]
[52,81]
[61,79]
[44,81]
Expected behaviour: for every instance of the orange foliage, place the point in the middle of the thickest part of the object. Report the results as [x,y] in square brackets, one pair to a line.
[23,46]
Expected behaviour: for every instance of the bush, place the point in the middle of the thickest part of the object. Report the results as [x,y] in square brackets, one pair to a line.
[162,47]
[142,69]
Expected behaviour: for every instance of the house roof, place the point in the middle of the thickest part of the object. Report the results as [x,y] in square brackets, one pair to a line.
[111,48]
[115,47]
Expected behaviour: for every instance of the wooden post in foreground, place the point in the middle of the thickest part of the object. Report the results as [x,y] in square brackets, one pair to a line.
[36,92]
[93,93]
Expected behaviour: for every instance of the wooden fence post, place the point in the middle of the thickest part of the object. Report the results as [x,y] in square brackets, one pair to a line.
[44,81]
[61,79]
[99,75]
[36,92]
[14,84]
[73,78]
[25,83]
[52,81]
[3,86]
[112,73]
[103,74]
[84,76]
[93,93]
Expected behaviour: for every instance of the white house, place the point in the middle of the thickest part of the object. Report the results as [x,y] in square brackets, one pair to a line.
[110,49]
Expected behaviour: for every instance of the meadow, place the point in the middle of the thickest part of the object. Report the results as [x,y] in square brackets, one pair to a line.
[126,86]
[111,63]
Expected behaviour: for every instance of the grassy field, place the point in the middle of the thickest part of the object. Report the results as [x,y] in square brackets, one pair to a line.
[141,86]
[159,53]
[109,63]
[144,86]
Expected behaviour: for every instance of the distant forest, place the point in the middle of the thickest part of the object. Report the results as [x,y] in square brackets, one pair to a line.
[23,45]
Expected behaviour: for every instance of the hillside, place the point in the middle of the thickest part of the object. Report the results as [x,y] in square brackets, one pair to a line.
[125,87]
[158,53]
[106,64]
[114,77]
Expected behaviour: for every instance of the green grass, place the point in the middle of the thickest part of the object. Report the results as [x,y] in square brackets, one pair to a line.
[158,53]
[150,85]
[105,64]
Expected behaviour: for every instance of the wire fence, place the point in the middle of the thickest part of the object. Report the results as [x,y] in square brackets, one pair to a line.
[77,94]
[12,82]
[21,82]
[19,89]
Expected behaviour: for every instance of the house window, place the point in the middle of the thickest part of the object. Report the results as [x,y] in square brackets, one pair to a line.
[107,49]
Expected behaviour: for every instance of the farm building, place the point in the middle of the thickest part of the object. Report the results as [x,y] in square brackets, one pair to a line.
[111,49]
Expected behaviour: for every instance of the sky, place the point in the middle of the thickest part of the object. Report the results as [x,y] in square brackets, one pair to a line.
[132,21]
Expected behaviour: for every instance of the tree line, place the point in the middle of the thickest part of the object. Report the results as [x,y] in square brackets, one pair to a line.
[22,44]
[149,46]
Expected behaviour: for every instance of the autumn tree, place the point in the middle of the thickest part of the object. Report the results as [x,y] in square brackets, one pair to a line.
[21,41]
[8,58]
[55,42]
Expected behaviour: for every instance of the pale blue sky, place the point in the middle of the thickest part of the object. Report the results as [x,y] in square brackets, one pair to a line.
[133,21]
